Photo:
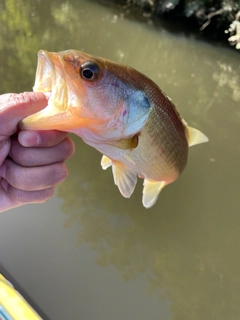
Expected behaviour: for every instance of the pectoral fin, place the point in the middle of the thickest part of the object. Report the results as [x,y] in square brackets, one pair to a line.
[106,162]
[151,190]
[126,144]
[124,179]
[195,136]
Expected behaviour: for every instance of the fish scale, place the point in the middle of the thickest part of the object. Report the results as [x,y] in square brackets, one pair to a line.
[163,112]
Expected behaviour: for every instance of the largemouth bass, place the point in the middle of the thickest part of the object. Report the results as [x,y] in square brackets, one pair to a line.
[118,111]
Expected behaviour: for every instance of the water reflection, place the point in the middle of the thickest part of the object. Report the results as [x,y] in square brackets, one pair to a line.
[228,76]
[187,244]
[184,244]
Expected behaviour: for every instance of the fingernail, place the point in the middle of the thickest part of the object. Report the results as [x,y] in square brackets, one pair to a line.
[29,138]
[47,94]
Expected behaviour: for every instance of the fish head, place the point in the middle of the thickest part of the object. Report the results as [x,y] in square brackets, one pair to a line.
[87,94]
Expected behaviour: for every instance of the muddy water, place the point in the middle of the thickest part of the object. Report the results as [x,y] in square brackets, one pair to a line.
[91,254]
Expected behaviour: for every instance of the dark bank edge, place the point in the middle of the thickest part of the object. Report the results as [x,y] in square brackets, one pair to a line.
[210,19]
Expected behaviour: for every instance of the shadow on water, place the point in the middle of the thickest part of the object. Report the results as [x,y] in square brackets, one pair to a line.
[187,244]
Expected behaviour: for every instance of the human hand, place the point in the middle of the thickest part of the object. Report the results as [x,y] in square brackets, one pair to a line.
[31,162]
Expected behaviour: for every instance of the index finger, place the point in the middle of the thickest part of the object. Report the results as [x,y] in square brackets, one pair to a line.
[14,107]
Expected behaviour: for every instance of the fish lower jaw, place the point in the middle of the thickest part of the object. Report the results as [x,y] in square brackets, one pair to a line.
[49,119]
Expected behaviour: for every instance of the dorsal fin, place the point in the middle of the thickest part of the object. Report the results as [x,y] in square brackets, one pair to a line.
[195,136]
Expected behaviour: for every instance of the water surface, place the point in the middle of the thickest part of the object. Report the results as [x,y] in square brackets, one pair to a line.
[91,254]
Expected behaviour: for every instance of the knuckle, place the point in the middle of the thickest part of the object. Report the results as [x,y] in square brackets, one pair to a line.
[28,97]
[25,158]
[47,194]
[51,138]
[18,176]
[14,194]
[23,97]
[21,157]
[22,197]
[35,178]
[17,195]
[5,147]
[69,147]
[10,173]
[60,172]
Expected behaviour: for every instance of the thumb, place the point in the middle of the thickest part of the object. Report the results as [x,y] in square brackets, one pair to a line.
[14,107]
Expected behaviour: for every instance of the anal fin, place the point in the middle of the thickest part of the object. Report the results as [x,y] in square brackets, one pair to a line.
[151,190]
[124,179]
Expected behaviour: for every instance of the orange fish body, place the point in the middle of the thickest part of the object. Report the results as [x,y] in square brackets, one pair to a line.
[118,111]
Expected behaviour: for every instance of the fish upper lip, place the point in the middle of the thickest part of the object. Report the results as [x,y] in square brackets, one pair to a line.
[50,77]
[45,74]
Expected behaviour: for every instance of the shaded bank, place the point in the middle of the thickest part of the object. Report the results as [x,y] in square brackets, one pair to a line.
[216,20]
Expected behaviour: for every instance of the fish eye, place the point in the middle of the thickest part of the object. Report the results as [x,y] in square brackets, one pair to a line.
[90,71]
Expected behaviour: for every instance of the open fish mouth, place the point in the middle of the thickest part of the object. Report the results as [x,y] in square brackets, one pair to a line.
[50,77]
[45,73]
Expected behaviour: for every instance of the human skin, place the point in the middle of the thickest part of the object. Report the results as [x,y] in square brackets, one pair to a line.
[32,163]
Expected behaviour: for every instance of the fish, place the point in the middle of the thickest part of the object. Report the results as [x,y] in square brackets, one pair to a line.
[118,111]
